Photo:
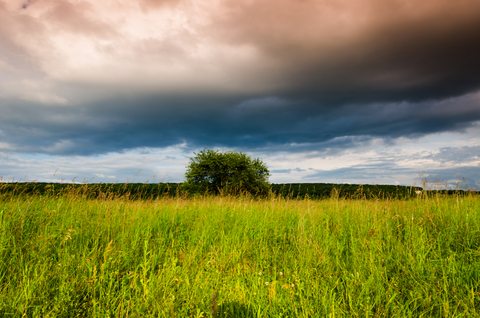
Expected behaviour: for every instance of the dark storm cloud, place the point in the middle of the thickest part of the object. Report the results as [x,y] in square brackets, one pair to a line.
[372,51]
[294,75]
[265,122]
[277,126]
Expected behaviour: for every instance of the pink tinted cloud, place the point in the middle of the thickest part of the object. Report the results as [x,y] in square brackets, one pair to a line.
[158,4]
[269,46]
[79,18]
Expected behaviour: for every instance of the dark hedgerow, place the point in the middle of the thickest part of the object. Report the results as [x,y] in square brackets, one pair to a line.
[216,171]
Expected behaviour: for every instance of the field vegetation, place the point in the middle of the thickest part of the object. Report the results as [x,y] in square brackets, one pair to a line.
[68,254]
[155,190]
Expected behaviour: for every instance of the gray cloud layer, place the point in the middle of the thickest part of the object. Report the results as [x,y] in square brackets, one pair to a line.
[116,125]
[248,75]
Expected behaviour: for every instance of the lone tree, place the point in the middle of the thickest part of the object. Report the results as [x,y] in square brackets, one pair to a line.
[213,171]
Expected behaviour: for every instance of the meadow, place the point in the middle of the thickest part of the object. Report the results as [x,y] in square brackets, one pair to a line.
[70,255]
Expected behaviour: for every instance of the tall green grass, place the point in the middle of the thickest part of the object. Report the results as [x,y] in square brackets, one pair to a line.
[70,256]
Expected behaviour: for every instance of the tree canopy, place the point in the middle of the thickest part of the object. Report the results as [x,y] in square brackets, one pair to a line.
[214,171]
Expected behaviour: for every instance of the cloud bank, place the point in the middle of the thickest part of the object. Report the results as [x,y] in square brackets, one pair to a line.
[83,77]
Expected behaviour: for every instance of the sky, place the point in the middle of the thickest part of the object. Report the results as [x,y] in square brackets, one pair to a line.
[335,91]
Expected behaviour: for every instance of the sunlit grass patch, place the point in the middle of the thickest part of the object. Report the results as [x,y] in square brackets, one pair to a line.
[66,256]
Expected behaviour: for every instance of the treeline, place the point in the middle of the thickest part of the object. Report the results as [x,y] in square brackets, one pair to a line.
[95,190]
[354,191]
[152,191]
[357,191]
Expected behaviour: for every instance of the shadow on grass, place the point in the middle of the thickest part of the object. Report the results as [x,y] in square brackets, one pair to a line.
[234,309]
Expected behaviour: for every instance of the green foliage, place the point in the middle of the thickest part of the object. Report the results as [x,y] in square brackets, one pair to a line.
[216,171]
[148,191]
[224,256]
[350,191]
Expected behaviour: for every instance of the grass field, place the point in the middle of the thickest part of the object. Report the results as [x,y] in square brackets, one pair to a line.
[69,256]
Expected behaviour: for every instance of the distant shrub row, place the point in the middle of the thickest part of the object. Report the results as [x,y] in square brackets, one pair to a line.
[354,191]
[152,191]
